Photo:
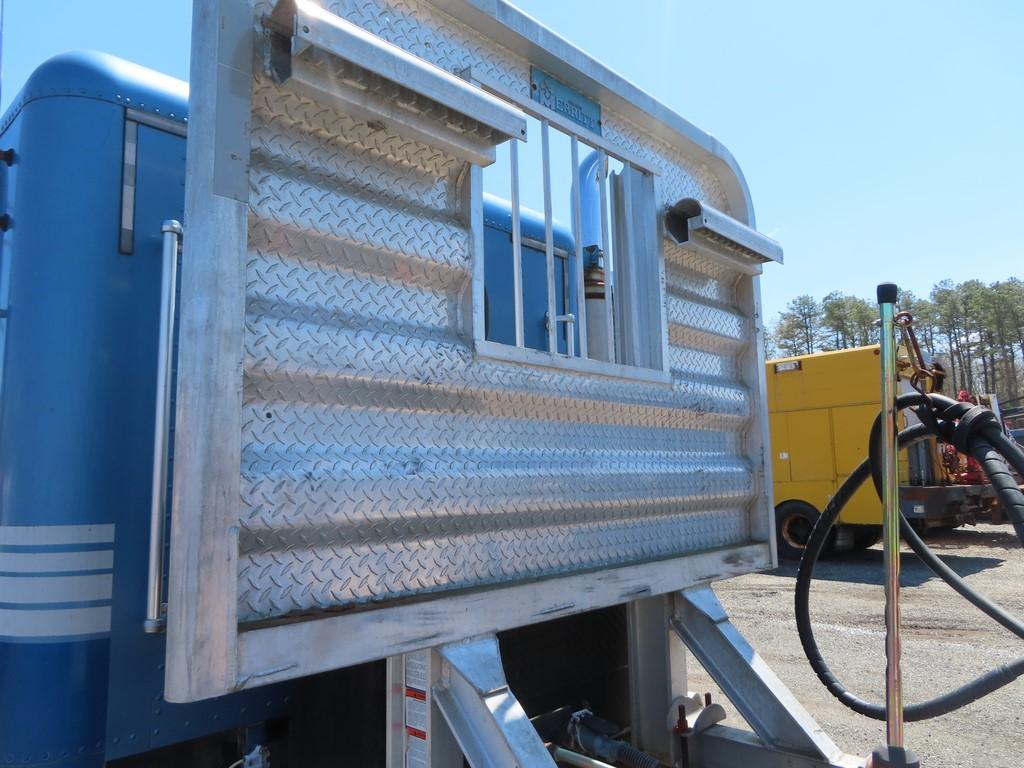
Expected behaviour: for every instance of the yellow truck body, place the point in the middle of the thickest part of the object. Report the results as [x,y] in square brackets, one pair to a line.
[820,409]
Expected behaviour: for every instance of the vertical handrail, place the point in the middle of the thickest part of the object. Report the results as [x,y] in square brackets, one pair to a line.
[517,244]
[157,507]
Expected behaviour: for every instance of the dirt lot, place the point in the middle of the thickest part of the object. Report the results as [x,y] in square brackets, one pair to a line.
[946,642]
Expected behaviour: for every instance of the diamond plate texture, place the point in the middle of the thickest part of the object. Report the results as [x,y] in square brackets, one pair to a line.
[381,459]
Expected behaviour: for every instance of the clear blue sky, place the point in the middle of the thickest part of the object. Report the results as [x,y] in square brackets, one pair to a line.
[881,140]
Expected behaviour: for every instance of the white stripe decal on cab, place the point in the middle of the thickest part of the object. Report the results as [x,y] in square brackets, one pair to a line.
[36,590]
[56,562]
[56,535]
[59,622]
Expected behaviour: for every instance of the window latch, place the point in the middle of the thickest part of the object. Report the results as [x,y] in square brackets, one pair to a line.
[570,321]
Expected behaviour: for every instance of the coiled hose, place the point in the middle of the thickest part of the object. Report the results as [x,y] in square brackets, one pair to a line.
[974,430]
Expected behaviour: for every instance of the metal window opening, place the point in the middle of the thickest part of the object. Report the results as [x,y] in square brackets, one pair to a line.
[555,188]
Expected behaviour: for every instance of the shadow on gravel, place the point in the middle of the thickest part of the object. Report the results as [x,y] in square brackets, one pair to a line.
[972,537]
[866,567]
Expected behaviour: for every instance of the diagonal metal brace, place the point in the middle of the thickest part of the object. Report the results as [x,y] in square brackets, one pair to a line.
[491,727]
[778,719]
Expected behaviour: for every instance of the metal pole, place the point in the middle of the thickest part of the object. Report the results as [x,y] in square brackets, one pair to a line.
[891,519]
[157,508]
[894,754]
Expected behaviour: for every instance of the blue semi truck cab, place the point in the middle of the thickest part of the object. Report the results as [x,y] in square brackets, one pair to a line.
[94,164]
[97,163]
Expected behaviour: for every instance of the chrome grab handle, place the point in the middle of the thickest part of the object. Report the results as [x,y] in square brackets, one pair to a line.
[157,507]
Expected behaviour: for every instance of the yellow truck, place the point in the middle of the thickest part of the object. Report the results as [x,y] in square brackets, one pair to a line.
[820,409]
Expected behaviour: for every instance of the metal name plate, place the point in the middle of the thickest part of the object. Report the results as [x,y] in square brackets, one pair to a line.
[560,98]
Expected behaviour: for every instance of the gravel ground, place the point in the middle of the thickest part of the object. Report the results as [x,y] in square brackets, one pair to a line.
[946,642]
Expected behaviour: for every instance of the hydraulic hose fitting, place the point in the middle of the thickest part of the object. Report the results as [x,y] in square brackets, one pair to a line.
[593,742]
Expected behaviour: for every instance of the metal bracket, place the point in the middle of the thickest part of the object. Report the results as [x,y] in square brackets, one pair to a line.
[719,236]
[778,719]
[570,322]
[488,722]
[710,715]
[374,80]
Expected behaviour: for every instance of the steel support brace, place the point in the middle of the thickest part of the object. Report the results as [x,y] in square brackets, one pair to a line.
[765,703]
[491,727]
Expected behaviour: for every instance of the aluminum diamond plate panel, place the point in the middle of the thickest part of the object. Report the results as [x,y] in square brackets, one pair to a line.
[376,456]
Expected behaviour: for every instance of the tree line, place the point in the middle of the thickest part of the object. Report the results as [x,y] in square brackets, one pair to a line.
[975,330]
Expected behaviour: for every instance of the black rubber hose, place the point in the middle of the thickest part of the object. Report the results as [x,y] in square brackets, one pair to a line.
[1003,481]
[1012,452]
[953,579]
[1009,495]
[976,430]
[939,705]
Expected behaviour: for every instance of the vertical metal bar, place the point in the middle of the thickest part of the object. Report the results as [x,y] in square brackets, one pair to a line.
[629,309]
[602,178]
[549,237]
[158,497]
[887,293]
[577,234]
[517,243]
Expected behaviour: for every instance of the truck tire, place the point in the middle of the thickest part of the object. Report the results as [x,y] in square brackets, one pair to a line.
[865,536]
[794,521]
